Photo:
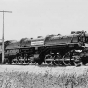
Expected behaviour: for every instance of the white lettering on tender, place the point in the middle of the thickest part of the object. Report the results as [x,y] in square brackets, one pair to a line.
[37,43]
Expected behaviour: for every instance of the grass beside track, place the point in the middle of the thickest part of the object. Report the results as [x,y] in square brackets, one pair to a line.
[16,76]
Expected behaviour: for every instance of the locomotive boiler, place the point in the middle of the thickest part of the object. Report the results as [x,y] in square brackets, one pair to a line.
[66,50]
[52,50]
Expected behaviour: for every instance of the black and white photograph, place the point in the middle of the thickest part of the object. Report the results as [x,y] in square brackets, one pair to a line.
[43,44]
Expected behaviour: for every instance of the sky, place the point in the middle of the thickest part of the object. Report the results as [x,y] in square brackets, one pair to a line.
[32,18]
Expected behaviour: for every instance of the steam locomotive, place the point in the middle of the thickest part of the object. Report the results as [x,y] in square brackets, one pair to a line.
[52,50]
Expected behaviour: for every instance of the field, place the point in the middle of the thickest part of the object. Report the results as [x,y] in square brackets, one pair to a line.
[29,76]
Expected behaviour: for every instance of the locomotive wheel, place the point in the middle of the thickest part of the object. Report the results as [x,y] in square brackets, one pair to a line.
[58,59]
[58,62]
[14,61]
[6,61]
[66,59]
[21,61]
[77,60]
[49,59]
[39,63]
